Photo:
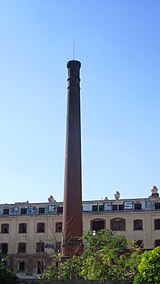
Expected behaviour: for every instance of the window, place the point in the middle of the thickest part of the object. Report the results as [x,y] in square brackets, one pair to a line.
[5,228]
[40,227]
[23,211]
[138,225]
[4,248]
[94,207]
[157,224]
[22,228]
[118,224]
[59,210]
[40,247]
[97,225]
[22,247]
[101,207]
[139,243]
[157,205]
[157,243]
[138,206]
[114,207]
[41,210]
[21,266]
[59,227]
[39,267]
[121,207]
[6,211]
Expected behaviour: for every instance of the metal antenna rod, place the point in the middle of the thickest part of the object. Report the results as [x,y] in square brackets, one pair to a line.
[73,47]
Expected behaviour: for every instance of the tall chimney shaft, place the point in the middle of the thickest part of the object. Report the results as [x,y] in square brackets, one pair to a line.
[72,205]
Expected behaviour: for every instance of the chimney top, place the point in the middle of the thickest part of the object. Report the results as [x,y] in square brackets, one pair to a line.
[73,64]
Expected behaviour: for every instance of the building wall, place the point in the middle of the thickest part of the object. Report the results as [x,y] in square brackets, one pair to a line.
[148,234]
[118,215]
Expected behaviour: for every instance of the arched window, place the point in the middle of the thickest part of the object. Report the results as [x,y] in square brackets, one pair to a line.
[118,224]
[97,224]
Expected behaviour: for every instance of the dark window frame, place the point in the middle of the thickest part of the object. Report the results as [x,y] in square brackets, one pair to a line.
[94,208]
[114,207]
[41,227]
[40,247]
[157,205]
[41,210]
[157,243]
[23,211]
[4,248]
[118,224]
[94,224]
[5,228]
[22,228]
[21,266]
[21,247]
[157,224]
[40,267]
[121,207]
[101,207]
[58,227]
[59,209]
[138,206]
[137,224]
[6,211]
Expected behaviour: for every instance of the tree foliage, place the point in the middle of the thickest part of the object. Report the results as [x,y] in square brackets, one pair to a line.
[105,256]
[149,267]
[6,276]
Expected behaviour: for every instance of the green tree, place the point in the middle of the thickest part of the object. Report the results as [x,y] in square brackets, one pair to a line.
[105,256]
[6,276]
[149,268]
[71,268]
[52,271]
[126,266]
[104,238]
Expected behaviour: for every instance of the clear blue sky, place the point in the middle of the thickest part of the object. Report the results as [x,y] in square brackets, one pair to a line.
[118,44]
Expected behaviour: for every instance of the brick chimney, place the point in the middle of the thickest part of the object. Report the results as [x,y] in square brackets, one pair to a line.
[72,205]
